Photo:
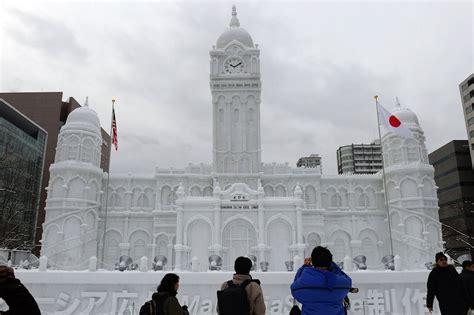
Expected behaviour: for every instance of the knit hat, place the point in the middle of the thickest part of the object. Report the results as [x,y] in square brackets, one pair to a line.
[439,256]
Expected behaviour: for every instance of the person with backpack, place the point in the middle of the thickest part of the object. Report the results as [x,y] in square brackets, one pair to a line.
[242,295]
[320,285]
[164,302]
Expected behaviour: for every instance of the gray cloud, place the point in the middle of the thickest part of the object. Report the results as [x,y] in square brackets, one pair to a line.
[321,65]
[48,36]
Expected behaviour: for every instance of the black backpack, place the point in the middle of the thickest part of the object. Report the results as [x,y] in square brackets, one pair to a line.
[233,299]
[153,307]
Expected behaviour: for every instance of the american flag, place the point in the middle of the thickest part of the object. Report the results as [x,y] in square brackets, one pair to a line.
[114,130]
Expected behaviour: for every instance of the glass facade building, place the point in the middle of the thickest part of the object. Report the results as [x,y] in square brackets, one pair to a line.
[22,151]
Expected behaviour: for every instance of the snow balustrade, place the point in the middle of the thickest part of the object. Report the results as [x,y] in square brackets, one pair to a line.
[98,291]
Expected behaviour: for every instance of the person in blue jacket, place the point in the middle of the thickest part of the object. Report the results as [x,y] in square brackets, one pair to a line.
[320,286]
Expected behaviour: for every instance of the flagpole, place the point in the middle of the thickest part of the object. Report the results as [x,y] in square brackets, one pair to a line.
[107,186]
[384,179]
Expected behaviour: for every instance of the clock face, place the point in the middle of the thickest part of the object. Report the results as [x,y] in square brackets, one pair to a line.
[233,65]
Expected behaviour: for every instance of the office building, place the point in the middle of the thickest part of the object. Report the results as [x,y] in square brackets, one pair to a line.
[22,152]
[312,161]
[455,180]
[359,158]
[466,88]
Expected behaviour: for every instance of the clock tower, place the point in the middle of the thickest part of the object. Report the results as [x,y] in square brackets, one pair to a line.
[236,88]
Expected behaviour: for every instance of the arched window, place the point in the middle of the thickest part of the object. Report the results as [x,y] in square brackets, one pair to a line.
[162,246]
[414,226]
[412,150]
[312,241]
[72,148]
[236,115]
[363,200]
[310,195]
[195,191]
[339,250]
[139,250]
[166,199]
[251,114]
[239,236]
[208,192]
[268,191]
[221,115]
[87,151]
[336,201]
[280,191]
[409,188]
[396,150]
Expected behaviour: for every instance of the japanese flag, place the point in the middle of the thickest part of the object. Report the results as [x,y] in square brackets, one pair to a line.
[392,123]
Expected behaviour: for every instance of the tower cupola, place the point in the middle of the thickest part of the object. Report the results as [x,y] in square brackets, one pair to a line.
[234,32]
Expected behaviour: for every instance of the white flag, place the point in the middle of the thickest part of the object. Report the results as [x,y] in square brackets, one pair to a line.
[392,123]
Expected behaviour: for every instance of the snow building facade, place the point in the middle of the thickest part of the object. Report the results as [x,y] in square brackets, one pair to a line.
[238,205]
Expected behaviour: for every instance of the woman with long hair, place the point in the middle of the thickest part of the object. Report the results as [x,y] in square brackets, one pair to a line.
[164,301]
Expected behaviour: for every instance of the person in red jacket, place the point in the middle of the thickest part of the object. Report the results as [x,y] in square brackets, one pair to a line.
[18,298]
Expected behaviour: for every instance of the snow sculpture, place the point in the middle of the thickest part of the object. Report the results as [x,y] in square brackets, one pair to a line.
[238,206]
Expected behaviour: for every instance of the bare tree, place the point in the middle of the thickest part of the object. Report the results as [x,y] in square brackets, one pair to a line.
[18,194]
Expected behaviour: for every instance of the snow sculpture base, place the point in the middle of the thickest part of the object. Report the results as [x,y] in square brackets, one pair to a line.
[104,292]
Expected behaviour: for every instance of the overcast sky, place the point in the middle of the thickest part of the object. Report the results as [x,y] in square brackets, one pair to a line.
[321,65]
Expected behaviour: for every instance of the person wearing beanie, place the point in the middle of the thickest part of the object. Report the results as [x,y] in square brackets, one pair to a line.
[467,277]
[320,285]
[445,284]
[253,291]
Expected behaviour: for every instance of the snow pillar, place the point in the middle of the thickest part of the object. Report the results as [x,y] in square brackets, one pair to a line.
[348,264]
[143,264]
[217,223]
[43,263]
[195,264]
[93,263]
[398,263]
[179,236]
[297,262]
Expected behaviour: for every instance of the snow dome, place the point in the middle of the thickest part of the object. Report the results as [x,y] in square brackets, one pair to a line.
[406,115]
[234,32]
[83,118]
[80,138]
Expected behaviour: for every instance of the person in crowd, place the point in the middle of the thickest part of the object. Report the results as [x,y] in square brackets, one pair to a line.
[241,295]
[164,301]
[445,284]
[14,293]
[467,277]
[320,285]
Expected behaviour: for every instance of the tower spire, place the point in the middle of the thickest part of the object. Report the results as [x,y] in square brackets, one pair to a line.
[86,103]
[234,22]
[397,102]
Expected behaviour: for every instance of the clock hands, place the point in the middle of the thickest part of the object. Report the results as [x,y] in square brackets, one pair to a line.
[236,65]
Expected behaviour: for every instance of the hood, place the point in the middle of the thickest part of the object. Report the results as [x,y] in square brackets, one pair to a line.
[313,277]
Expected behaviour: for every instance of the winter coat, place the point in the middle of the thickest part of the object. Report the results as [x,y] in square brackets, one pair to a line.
[445,283]
[467,277]
[254,293]
[171,305]
[321,292]
[18,298]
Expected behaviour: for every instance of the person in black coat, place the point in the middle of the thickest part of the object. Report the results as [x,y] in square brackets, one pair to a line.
[164,301]
[18,298]
[467,277]
[445,283]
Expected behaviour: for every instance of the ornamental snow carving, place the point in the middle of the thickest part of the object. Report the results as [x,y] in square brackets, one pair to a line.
[238,205]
